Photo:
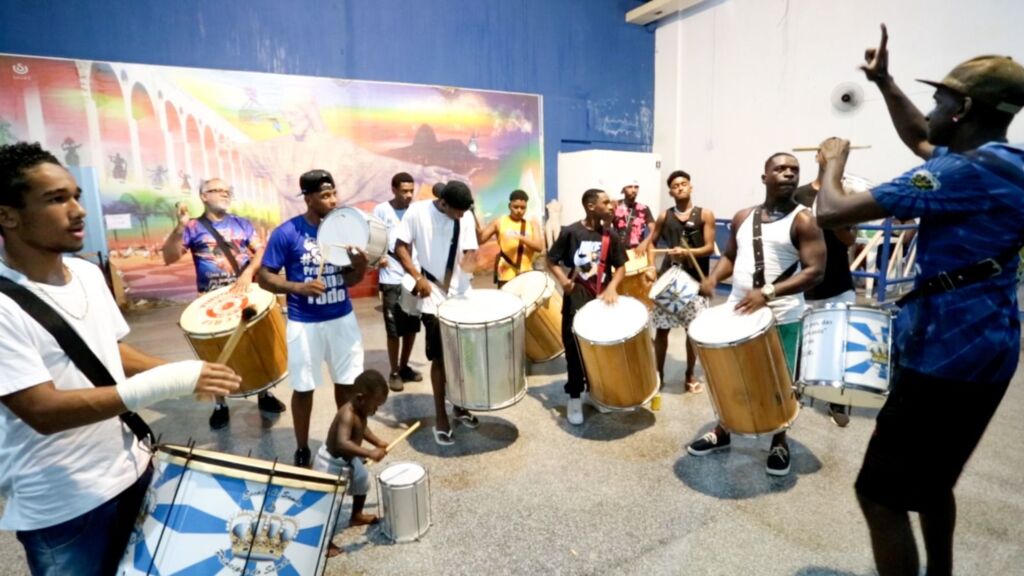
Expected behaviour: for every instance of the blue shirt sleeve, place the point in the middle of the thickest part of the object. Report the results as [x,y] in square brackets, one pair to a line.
[274,255]
[946,184]
[190,234]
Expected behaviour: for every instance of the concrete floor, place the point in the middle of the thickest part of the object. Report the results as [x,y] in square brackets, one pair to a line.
[527,493]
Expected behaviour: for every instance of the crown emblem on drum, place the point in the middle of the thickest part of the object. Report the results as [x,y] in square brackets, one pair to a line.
[267,540]
[879,355]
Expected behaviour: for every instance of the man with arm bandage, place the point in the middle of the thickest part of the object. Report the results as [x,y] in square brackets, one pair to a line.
[73,475]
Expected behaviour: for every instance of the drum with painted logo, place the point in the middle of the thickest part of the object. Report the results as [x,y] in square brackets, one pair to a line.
[676,292]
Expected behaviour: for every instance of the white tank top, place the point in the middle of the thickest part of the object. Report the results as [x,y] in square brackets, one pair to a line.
[779,255]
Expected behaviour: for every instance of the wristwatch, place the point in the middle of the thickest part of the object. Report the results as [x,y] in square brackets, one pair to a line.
[768,290]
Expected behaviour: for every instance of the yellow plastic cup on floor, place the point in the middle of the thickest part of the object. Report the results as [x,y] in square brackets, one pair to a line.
[656,403]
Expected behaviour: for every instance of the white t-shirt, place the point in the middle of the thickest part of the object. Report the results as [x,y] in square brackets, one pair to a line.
[393,272]
[429,232]
[51,479]
[779,255]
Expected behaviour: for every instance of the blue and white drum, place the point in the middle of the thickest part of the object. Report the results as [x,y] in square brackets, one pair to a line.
[844,355]
[675,292]
[213,513]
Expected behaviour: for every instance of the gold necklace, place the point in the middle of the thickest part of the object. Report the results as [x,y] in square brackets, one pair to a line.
[41,289]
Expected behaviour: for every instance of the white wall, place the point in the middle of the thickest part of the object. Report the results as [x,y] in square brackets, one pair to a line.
[736,80]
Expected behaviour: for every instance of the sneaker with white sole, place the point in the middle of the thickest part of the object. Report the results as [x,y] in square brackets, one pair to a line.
[574,411]
[708,443]
[778,460]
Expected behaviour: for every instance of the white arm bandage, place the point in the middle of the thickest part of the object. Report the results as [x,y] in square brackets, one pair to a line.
[168,381]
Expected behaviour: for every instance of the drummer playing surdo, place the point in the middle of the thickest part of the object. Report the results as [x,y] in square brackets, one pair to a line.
[794,260]
[697,226]
[443,233]
[519,239]
[73,476]
[321,323]
[343,450]
[401,328]
[969,195]
[581,260]
[215,268]
[837,286]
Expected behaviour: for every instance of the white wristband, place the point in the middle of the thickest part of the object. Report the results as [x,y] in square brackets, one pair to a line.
[168,381]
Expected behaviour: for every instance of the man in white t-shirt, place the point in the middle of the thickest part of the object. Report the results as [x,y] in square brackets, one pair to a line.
[433,228]
[72,474]
[401,328]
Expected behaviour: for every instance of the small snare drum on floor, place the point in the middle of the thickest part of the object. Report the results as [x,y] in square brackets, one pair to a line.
[675,292]
[617,352]
[749,382]
[403,491]
[348,226]
[213,513]
[844,357]
[261,357]
[484,337]
[636,284]
[543,304]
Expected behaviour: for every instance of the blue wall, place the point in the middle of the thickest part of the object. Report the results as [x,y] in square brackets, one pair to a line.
[595,71]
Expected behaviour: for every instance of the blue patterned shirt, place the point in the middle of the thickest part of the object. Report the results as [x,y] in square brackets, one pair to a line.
[967,213]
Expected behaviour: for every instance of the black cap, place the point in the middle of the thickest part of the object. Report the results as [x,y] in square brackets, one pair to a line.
[316,181]
[437,189]
[457,195]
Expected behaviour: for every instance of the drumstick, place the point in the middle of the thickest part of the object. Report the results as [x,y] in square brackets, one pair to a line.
[693,259]
[248,313]
[401,438]
[815,148]
[324,251]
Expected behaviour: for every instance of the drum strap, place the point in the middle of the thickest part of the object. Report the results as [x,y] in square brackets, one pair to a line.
[449,267]
[518,262]
[76,349]
[225,248]
[605,242]
[759,256]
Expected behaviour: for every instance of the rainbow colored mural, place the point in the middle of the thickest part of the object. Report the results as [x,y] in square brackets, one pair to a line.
[150,134]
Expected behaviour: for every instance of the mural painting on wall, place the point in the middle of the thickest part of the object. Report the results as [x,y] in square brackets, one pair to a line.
[151,134]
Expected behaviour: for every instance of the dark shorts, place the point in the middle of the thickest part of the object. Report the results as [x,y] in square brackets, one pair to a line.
[396,322]
[432,327]
[923,437]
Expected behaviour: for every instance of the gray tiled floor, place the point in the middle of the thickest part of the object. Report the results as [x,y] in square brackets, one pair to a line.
[528,494]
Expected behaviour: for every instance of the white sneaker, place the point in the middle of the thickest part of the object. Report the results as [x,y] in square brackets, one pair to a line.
[574,411]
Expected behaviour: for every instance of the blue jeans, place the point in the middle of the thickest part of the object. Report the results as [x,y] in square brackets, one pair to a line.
[91,544]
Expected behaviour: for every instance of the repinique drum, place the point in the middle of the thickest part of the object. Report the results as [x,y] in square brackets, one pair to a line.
[543,305]
[749,382]
[617,352]
[675,292]
[349,226]
[261,357]
[403,491]
[213,513]
[844,356]
[636,284]
[484,336]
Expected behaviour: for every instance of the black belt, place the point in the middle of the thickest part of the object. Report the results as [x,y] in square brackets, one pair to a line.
[949,281]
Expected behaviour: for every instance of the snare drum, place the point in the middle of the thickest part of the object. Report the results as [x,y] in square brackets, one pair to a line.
[635,283]
[749,382]
[844,356]
[483,334]
[403,491]
[675,292]
[261,358]
[543,304]
[211,513]
[617,352]
[348,226]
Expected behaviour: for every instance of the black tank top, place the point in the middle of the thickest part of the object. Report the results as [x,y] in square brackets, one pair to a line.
[693,229]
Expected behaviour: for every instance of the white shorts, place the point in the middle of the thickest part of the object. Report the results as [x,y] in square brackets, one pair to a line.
[310,344]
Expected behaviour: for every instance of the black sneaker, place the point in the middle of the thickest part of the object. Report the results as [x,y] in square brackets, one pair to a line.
[268,403]
[220,417]
[302,457]
[840,414]
[410,375]
[708,443]
[395,382]
[778,460]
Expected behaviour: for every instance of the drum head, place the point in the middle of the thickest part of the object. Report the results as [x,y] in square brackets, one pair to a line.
[346,226]
[247,468]
[531,287]
[219,311]
[686,287]
[402,474]
[480,307]
[600,323]
[722,325]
